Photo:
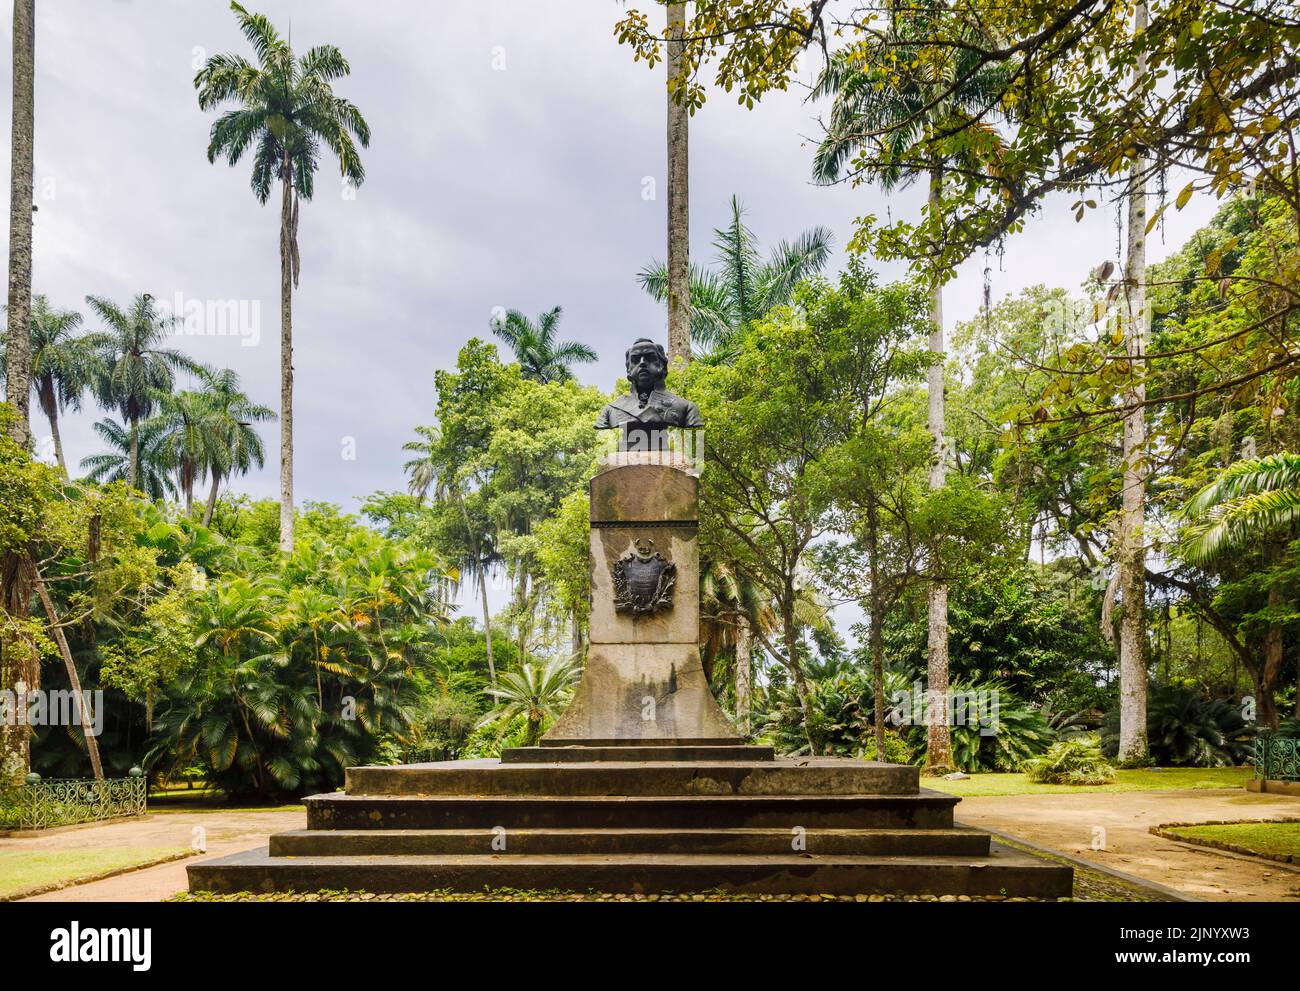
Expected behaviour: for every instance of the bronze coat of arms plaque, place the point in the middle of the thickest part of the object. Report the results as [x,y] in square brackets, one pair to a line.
[643,580]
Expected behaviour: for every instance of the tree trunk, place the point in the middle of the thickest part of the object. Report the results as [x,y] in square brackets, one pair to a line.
[1133,748]
[575,633]
[679,267]
[212,499]
[877,635]
[796,671]
[133,459]
[487,623]
[16,669]
[286,358]
[1266,713]
[18,352]
[938,752]
[50,407]
[523,628]
[74,680]
[744,675]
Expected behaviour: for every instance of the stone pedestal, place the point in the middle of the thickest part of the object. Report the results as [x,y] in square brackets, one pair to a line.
[643,682]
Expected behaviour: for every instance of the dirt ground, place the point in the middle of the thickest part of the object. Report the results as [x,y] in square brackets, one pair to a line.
[225,833]
[1067,822]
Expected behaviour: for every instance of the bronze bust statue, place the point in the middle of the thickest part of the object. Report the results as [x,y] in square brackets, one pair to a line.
[649,405]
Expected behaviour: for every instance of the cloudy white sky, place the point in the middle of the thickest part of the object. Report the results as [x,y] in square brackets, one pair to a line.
[512,143]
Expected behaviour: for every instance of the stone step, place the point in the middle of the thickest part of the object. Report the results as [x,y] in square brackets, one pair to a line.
[926,810]
[787,776]
[1003,872]
[958,841]
[573,754]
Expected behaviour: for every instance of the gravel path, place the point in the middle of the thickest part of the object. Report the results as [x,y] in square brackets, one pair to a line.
[226,832]
[1066,823]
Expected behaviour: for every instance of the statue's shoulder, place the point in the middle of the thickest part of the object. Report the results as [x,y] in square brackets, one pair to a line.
[687,413]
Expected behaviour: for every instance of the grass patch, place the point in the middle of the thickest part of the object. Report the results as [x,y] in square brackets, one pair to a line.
[29,872]
[1268,839]
[1139,779]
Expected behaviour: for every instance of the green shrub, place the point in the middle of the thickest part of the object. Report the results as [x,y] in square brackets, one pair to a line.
[10,808]
[896,750]
[1071,762]
[1184,729]
[985,740]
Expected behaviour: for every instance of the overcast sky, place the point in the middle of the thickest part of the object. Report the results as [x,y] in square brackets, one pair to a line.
[513,146]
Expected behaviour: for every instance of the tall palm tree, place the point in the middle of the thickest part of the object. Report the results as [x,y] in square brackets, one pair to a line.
[428,474]
[237,445]
[285,109]
[137,368]
[185,419]
[141,451]
[540,356]
[64,365]
[18,355]
[743,286]
[871,112]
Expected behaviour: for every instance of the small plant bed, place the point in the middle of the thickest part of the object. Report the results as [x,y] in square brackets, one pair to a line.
[24,873]
[1271,839]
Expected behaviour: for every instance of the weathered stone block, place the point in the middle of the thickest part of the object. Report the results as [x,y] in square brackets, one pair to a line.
[644,493]
[640,691]
[678,624]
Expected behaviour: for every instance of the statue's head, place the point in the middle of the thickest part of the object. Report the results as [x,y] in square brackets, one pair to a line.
[647,365]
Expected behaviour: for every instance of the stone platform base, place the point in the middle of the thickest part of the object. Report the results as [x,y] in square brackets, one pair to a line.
[723,822]
[708,753]
[1274,786]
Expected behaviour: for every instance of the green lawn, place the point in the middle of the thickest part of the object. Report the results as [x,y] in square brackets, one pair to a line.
[1277,838]
[26,871]
[1145,779]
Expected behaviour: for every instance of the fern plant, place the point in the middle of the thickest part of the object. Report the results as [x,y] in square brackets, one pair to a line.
[1071,762]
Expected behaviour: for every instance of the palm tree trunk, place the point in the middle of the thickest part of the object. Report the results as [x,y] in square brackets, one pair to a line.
[18,352]
[744,672]
[74,680]
[679,267]
[212,498]
[1133,746]
[286,358]
[50,406]
[938,754]
[133,459]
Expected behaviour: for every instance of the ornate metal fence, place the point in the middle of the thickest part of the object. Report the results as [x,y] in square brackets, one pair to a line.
[1277,758]
[65,801]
